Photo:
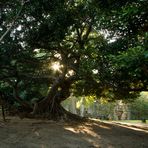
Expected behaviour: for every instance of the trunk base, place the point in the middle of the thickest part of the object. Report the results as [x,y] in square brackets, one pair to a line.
[55,112]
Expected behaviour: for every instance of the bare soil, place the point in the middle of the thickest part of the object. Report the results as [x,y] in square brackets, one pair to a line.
[31,133]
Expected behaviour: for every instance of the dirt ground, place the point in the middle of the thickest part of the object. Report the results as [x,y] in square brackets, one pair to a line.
[30,133]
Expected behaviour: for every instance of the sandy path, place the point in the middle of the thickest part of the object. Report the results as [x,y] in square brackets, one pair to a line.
[28,133]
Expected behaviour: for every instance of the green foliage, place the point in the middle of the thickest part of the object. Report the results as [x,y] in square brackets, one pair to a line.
[70,33]
[132,61]
[139,107]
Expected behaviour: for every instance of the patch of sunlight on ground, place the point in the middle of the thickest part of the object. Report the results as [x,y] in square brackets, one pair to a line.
[129,126]
[83,130]
[134,121]
[98,120]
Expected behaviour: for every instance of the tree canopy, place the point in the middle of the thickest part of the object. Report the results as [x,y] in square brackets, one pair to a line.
[52,48]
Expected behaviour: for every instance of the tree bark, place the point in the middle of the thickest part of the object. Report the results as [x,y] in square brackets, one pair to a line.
[50,107]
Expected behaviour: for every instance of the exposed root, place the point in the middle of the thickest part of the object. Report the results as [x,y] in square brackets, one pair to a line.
[49,110]
[57,113]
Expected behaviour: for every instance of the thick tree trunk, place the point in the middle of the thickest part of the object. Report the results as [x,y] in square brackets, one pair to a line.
[50,107]
[54,111]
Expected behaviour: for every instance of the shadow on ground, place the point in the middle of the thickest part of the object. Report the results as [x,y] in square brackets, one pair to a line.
[30,133]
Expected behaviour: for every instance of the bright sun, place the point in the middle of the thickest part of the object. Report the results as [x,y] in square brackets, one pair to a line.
[56,66]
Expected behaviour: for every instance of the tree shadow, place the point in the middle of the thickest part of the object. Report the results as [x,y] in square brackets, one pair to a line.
[29,133]
[111,135]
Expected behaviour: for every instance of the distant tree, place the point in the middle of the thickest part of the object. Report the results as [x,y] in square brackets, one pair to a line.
[139,107]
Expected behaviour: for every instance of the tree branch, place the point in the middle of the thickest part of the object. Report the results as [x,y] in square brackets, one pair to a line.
[12,23]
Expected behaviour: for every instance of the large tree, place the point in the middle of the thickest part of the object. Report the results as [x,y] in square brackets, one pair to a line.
[58,47]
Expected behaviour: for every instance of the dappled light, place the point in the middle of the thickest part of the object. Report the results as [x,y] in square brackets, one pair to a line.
[83,130]
[47,133]
[131,126]
[73,74]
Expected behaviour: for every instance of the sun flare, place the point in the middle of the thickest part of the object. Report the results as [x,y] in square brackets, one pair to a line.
[56,66]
